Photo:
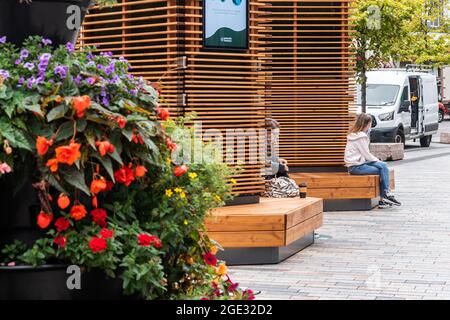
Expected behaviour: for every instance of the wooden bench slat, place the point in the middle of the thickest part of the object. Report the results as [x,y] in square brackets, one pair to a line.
[250,239]
[302,229]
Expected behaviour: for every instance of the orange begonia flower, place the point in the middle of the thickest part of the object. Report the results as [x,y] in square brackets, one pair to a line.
[80,104]
[53,164]
[44,219]
[98,185]
[78,212]
[68,154]
[140,171]
[42,145]
[63,201]
[104,147]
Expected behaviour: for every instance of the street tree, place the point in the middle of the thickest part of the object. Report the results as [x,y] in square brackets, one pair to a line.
[380,29]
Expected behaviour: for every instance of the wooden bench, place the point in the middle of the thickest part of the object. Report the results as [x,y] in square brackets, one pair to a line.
[342,191]
[265,233]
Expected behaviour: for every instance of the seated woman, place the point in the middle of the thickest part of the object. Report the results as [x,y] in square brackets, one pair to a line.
[279,167]
[360,161]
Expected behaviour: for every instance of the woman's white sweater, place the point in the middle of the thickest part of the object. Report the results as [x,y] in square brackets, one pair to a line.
[357,151]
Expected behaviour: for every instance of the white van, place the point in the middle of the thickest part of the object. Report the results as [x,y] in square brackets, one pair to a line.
[403,104]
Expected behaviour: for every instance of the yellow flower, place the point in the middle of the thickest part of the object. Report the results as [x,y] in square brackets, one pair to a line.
[186,222]
[217,198]
[168,160]
[214,250]
[193,175]
[221,270]
[178,190]
[233,181]
[182,195]
[169,192]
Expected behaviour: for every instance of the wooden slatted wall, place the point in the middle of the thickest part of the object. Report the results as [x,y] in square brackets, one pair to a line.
[146,33]
[310,89]
[298,70]
[226,90]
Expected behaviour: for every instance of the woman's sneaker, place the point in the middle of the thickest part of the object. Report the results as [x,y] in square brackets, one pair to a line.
[383,204]
[391,199]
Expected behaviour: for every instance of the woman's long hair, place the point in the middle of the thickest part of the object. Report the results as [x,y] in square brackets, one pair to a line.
[362,120]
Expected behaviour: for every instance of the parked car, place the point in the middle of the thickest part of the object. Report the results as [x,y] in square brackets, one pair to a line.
[443,111]
[403,104]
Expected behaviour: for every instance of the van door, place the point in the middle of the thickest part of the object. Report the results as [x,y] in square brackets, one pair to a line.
[405,116]
[430,105]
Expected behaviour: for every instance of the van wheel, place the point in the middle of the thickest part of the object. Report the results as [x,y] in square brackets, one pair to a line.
[441,116]
[399,137]
[425,141]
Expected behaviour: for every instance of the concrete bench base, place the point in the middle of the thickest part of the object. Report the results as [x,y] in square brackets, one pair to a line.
[388,151]
[265,255]
[350,204]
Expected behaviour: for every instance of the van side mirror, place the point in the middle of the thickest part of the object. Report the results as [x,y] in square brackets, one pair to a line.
[405,106]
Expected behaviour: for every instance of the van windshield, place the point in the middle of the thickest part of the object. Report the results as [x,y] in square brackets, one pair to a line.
[381,94]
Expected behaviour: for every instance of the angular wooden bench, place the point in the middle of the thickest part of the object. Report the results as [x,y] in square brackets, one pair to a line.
[342,191]
[267,232]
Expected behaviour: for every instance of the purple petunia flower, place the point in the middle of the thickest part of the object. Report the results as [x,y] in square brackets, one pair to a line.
[20,81]
[44,60]
[46,42]
[31,82]
[91,64]
[90,56]
[77,80]
[29,66]
[17,62]
[105,101]
[24,53]
[134,92]
[110,69]
[4,74]
[61,71]
[108,54]
[90,80]
[70,47]
[2,39]
[115,80]
[40,78]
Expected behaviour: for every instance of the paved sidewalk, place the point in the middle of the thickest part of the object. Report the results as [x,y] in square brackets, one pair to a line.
[401,253]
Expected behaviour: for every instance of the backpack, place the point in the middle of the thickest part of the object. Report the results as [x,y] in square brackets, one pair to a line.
[282,187]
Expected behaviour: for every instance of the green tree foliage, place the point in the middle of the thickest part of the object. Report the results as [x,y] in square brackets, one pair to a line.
[380,29]
[427,40]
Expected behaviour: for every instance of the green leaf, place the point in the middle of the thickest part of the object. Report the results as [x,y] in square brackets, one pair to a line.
[16,137]
[128,133]
[55,183]
[76,178]
[107,164]
[65,131]
[57,112]
[81,125]
[90,139]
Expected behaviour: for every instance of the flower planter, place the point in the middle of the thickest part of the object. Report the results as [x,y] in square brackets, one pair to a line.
[49,282]
[45,18]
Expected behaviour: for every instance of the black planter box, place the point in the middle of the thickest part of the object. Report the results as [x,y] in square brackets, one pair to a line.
[48,19]
[50,282]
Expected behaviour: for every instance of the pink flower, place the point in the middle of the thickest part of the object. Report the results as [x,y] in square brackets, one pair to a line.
[12,264]
[4,168]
